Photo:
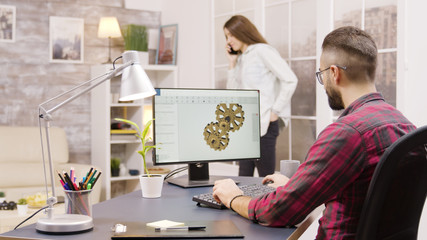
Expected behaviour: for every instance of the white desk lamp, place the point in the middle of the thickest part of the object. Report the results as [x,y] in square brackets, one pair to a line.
[135,84]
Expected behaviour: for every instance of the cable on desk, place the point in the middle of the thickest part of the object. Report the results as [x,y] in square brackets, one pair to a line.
[175,171]
[28,218]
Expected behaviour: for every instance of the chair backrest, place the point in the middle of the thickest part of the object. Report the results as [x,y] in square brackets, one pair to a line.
[397,192]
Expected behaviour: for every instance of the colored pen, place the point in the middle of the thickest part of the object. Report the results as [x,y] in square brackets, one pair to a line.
[88,178]
[63,184]
[88,173]
[68,180]
[188,228]
[72,174]
[60,176]
[96,179]
[92,177]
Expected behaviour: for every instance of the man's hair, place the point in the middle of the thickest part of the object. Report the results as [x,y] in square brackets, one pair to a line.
[245,31]
[354,49]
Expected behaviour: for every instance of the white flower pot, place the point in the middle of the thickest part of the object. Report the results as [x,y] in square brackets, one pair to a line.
[151,186]
[22,209]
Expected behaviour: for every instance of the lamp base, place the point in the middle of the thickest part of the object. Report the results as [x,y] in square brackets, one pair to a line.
[63,224]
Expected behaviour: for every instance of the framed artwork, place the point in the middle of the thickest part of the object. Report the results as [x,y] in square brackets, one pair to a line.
[166,48]
[7,23]
[66,39]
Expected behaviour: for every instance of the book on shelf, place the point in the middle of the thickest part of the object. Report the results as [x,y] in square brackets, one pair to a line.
[123,131]
[123,134]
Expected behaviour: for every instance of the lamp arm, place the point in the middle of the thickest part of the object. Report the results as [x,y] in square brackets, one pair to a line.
[52,200]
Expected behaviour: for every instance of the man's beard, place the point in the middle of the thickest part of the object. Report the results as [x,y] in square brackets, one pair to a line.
[334,99]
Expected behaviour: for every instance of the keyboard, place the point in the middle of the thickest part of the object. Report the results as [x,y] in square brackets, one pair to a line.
[253,190]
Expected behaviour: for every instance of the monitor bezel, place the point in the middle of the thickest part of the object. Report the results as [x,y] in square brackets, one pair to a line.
[201,161]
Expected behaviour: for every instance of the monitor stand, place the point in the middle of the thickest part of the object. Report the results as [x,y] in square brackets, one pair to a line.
[198,176]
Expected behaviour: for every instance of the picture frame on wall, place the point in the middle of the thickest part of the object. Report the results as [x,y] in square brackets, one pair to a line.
[7,23]
[66,38]
[167,45]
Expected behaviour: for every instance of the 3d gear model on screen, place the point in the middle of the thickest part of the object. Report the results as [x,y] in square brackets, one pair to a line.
[228,119]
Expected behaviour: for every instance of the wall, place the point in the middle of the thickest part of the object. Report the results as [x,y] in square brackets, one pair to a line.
[415,85]
[148,5]
[194,40]
[27,78]
[194,37]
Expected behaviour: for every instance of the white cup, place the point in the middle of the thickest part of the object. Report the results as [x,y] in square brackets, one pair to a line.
[289,167]
[22,209]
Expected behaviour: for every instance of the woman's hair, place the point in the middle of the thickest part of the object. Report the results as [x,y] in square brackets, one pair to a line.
[354,49]
[242,29]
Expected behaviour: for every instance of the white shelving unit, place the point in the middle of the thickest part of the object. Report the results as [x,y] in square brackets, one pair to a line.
[104,111]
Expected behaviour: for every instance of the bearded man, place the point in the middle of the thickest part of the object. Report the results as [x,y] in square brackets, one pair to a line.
[340,164]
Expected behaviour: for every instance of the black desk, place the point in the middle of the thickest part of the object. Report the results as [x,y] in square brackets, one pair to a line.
[175,204]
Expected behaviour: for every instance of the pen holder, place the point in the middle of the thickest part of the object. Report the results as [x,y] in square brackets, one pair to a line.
[78,202]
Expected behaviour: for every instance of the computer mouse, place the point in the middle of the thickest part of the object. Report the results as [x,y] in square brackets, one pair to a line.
[268,182]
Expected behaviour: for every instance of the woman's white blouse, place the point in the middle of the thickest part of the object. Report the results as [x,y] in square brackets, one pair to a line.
[261,67]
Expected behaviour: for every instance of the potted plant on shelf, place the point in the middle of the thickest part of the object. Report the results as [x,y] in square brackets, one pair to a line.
[22,206]
[115,166]
[151,184]
[136,38]
[2,197]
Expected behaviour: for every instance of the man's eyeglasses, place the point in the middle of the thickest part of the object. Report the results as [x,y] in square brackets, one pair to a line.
[319,73]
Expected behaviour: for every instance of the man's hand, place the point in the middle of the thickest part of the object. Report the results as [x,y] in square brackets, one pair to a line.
[276,179]
[224,190]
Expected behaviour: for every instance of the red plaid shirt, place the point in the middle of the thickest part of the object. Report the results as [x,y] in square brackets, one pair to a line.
[337,170]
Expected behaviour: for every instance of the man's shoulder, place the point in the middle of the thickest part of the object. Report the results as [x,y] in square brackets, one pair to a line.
[371,116]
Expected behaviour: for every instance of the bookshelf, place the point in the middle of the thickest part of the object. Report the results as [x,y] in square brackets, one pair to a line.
[104,144]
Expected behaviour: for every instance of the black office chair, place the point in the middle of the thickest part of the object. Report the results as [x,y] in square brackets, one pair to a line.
[397,192]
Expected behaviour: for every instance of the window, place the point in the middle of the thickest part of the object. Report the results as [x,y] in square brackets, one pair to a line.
[378,18]
[292,27]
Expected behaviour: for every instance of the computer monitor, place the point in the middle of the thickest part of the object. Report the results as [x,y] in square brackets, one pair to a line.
[198,126]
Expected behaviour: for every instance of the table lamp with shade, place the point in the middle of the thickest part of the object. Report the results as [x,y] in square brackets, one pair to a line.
[109,28]
[135,84]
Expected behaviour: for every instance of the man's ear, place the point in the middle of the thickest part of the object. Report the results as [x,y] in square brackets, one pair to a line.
[335,75]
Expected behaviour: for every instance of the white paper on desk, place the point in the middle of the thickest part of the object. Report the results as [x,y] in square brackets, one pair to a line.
[165,224]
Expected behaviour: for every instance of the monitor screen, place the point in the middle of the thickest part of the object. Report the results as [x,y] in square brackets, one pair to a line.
[197,126]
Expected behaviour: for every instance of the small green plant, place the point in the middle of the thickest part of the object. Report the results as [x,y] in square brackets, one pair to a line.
[22,201]
[115,163]
[2,195]
[143,136]
[136,37]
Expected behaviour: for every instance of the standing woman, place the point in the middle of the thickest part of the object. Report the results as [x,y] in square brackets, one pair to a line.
[257,65]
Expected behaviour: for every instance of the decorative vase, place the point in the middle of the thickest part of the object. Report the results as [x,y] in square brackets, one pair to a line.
[22,209]
[143,58]
[123,170]
[151,186]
